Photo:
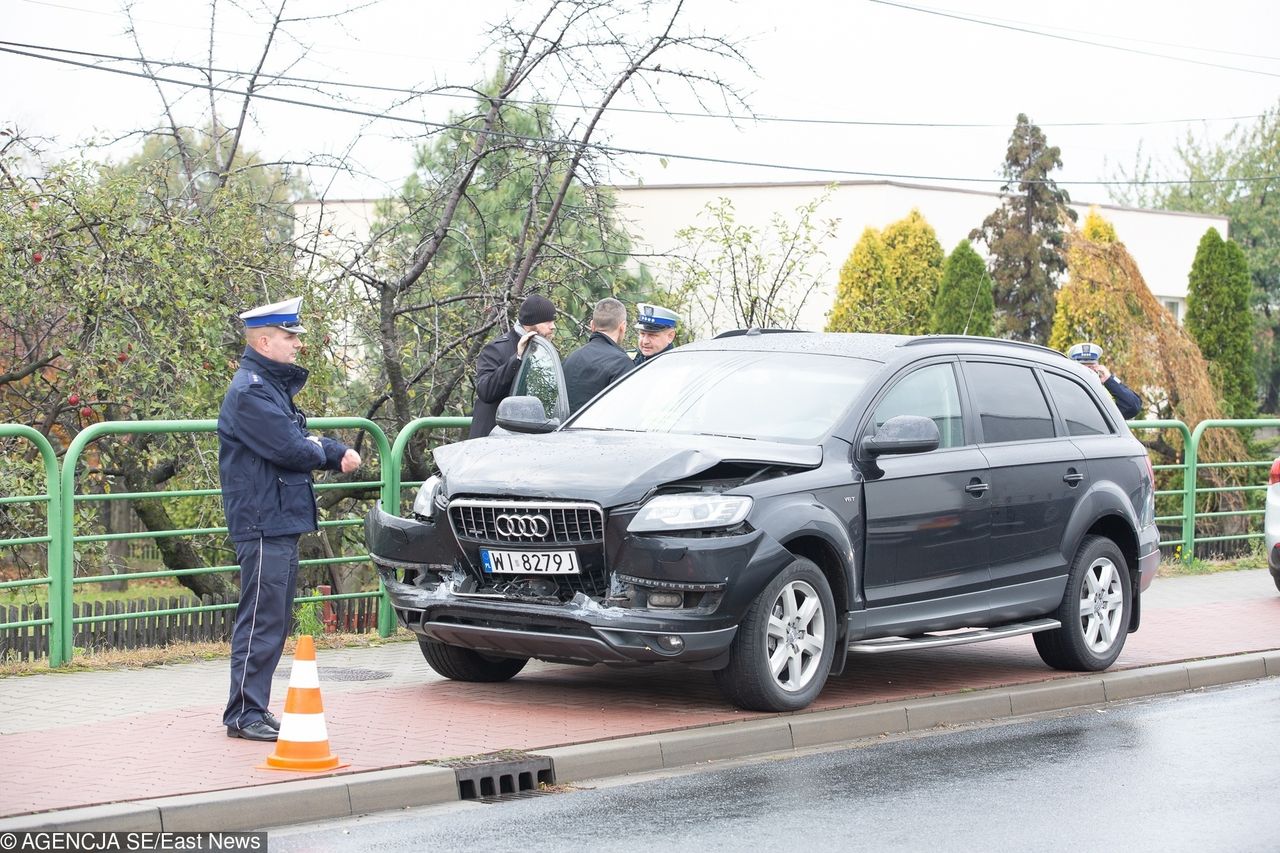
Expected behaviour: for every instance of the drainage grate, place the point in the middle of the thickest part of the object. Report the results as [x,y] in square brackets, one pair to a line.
[499,776]
[337,673]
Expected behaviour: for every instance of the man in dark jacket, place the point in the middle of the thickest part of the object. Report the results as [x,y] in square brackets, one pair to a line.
[499,361]
[600,360]
[657,332]
[265,460]
[1088,354]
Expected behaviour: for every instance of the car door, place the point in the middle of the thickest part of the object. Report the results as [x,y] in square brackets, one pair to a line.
[541,375]
[927,515]
[1035,476]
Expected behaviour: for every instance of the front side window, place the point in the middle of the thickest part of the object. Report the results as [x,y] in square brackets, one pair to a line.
[929,392]
[1010,403]
[1076,406]
[774,396]
[540,376]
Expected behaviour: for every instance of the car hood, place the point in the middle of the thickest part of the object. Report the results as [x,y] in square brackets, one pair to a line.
[609,468]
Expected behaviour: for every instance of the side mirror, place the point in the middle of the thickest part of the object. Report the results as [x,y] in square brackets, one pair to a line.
[903,434]
[525,414]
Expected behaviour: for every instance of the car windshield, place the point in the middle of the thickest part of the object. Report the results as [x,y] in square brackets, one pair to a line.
[788,397]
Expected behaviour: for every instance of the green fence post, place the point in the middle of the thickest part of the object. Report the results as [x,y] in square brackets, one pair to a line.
[391,495]
[1188,479]
[1229,423]
[59,611]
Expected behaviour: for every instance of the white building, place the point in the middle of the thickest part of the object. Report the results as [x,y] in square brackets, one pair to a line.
[1162,243]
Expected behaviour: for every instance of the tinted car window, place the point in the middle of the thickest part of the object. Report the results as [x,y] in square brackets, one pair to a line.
[789,397]
[929,392]
[1009,401]
[540,376]
[1076,406]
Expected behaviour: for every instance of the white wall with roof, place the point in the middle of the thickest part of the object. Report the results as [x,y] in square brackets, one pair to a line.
[1162,243]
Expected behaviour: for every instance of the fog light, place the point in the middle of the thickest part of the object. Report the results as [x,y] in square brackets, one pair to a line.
[671,642]
[666,599]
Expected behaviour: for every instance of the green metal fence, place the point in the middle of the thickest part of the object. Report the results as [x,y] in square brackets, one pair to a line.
[61,497]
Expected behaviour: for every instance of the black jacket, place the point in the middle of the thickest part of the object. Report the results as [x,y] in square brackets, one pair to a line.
[496,369]
[264,457]
[1127,401]
[591,367]
[641,358]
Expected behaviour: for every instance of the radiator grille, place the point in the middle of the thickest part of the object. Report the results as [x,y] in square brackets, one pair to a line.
[526,523]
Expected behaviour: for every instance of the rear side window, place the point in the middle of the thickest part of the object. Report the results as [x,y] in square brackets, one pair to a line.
[1009,401]
[929,392]
[1076,406]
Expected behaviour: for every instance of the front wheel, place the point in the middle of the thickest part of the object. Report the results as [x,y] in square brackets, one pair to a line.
[782,652]
[462,664]
[1094,612]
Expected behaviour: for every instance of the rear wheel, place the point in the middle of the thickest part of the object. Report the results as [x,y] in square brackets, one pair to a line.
[462,664]
[782,652]
[1094,612]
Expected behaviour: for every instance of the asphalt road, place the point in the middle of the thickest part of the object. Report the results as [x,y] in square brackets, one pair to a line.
[1197,771]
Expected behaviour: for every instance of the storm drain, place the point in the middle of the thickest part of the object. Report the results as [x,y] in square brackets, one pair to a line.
[501,776]
[337,673]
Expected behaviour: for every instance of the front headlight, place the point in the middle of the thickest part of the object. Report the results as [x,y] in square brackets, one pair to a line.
[690,512]
[424,503]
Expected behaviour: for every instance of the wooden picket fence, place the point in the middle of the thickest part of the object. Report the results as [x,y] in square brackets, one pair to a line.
[358,615]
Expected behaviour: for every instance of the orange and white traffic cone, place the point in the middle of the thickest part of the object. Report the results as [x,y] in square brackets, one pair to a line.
[303,742]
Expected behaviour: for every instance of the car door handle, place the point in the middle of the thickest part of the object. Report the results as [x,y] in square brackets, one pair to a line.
[1072,478]
[976,488]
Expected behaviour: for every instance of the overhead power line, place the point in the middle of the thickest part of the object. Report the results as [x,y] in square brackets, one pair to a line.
[602,148]
[986,23]
[736,117]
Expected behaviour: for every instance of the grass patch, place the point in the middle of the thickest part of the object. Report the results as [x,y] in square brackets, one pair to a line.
[91,661]
[1177,568]
[143,588]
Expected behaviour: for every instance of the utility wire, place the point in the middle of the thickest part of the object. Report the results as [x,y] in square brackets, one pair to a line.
[612,149]
[1072,39]
[470,96]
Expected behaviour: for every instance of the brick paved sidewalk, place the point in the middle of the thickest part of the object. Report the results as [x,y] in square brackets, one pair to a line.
[74,739]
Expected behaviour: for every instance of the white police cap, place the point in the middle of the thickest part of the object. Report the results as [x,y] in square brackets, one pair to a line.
[655,318]
[282,314]
[1085,353]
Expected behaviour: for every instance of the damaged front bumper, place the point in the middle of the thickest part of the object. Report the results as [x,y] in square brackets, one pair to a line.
[437,592]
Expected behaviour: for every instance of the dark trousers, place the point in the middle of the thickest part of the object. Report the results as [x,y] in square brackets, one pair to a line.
[268,577]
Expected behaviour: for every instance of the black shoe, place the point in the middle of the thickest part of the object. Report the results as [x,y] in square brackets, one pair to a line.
[270,719]
[257,730]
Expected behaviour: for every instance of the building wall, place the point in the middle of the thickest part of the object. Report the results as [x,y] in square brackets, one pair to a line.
[1163,243]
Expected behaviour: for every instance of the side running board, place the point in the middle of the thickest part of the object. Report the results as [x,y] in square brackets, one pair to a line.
[954,638]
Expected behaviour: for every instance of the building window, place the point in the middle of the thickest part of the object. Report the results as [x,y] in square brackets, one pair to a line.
[1175,308]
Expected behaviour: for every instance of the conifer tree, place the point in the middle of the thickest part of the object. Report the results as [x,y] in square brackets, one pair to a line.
[964,305]
[889,282]
[1025,235]
[1219,320]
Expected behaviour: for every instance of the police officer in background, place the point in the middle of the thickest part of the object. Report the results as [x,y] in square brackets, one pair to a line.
[599,361]
[657,327]
[265,460]
[1088,355]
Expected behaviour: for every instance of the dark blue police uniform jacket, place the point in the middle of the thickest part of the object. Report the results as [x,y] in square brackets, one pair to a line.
[1128,402]
[264,458]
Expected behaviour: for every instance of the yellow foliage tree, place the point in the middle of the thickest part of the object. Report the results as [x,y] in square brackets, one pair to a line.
[890,279]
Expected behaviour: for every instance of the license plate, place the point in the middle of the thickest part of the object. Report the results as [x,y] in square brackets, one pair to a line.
[529,562]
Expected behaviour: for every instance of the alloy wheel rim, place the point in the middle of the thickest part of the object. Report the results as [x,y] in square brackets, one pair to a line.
[796,636]
[1101,606]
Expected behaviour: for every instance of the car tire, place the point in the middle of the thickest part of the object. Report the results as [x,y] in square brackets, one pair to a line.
[782,652]
[461,664]
[1094,613]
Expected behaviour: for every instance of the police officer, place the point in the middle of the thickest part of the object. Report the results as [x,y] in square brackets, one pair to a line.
[499,361]
[657,328]
[599,361]
[1088,354]
[265,460]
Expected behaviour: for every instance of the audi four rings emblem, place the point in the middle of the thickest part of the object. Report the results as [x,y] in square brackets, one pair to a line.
[532,526]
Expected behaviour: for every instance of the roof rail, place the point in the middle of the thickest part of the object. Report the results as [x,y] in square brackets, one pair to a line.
[756,330]
[974,339]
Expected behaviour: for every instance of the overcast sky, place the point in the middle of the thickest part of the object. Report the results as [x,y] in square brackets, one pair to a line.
[854,61]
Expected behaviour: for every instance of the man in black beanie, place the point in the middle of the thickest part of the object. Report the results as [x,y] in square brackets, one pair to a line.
[499,361]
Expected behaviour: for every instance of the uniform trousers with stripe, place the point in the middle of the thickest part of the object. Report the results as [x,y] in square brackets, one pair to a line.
[268,578]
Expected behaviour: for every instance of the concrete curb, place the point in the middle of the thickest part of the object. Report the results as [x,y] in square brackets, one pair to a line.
[381,790]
